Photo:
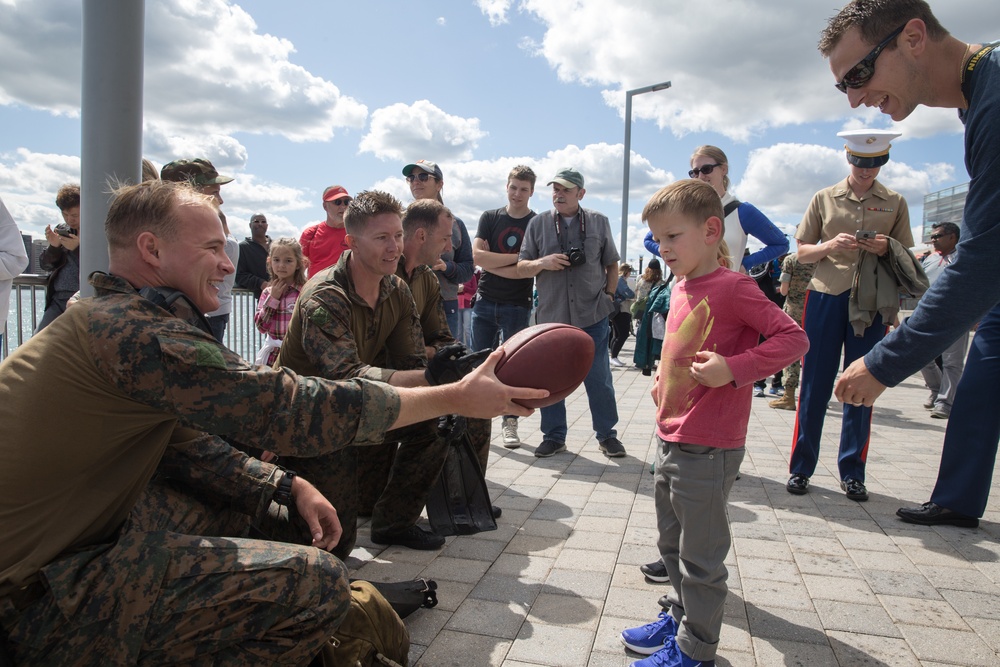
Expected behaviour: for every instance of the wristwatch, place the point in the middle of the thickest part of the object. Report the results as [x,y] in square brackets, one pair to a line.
[283,494]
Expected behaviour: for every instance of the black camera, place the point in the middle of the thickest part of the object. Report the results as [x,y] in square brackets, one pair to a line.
[576,256]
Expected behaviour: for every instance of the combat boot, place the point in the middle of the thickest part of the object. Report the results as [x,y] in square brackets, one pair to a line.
[786,402]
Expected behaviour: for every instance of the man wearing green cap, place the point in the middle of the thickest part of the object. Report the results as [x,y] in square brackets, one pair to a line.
[570,253]
[202,174]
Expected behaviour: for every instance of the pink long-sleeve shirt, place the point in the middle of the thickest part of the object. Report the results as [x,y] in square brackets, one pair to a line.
[273,315]
[723,312]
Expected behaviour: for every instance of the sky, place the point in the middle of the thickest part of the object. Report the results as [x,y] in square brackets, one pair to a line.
[290,97]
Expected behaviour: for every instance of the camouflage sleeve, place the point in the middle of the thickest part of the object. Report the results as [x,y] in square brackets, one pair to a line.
[167,365]
[219,471]
[328,339]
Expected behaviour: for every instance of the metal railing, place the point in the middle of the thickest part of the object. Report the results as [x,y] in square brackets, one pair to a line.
[27,303]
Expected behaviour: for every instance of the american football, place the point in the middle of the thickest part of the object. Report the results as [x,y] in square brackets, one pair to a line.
[556,357]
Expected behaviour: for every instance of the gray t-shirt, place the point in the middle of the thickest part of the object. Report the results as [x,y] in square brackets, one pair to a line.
[576,294]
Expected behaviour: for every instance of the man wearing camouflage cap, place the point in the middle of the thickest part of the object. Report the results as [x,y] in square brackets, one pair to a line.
[202,175]
[141,383]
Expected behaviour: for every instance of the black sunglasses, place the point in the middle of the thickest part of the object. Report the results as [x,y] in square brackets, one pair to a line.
[935,237]
[422,177]
[707,169]
[862,73]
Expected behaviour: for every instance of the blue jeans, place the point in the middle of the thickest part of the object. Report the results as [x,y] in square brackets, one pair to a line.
[493,323]
[451,316]
[465,326]
[600,393]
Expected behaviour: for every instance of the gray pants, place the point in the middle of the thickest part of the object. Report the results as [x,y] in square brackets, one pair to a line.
[943,381]
[691,491]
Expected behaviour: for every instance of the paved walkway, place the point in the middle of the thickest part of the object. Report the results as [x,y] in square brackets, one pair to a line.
[814,580]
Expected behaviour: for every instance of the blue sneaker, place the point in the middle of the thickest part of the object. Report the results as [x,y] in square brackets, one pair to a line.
[649,638]
[671,656]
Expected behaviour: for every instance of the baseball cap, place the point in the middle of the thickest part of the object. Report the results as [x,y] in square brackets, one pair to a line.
[568,178]
[868,149]
[426,165]
[335,192]
[198,172]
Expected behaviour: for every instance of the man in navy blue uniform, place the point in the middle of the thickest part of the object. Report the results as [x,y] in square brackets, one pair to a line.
[895,55]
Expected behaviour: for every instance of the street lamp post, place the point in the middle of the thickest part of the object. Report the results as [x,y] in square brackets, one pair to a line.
[628,154]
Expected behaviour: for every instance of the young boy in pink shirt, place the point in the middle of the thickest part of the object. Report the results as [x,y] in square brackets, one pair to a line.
[702,391]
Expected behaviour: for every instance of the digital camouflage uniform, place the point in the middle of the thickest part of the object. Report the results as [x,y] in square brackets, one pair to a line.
[797,275]
[334,333]
[83,580]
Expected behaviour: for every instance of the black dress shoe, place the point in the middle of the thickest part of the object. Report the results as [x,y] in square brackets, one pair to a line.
[413,537]
[855,489]
[798,484]
[930,514]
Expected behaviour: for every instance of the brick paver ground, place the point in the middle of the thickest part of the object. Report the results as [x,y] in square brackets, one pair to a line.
[814,580]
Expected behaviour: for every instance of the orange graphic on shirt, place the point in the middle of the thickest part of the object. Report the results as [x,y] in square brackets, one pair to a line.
[679,348]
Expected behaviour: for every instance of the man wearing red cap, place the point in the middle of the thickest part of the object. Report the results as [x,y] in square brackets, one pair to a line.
[323,243]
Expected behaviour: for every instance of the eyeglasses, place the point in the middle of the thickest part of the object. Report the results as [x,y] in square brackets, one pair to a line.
[935,237]
[422,177]
[707,169]
[862,73]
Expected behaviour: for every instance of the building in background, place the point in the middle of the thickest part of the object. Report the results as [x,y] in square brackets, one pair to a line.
[943,206]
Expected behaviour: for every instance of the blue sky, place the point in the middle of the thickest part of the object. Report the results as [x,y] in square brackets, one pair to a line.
[289,97]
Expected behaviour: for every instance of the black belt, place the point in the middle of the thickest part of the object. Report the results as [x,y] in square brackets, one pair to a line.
[26,595]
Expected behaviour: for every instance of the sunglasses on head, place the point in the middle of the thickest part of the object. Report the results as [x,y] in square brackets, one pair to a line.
[707,169]
[862,73]
[422,177]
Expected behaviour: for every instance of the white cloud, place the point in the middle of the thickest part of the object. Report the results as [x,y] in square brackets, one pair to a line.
[162,143]
[495,10]
[474,186]
[442,21]
[409,132]
[738,70]
[207,71]
[29,182]
[781,179]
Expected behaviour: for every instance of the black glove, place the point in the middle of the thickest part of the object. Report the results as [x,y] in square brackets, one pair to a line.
[451,427]
[452,363]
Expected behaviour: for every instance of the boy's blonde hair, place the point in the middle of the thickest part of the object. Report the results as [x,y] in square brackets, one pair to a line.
[691,197]
[300,261]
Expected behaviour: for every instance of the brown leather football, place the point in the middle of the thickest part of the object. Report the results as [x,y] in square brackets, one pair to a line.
[556,357]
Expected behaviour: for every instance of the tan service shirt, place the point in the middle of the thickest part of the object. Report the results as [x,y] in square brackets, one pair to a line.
[836,210]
